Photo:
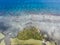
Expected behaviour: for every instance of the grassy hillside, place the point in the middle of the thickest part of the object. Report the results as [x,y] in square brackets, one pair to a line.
[28,33]
[16,41]
[28,36]
[1,36]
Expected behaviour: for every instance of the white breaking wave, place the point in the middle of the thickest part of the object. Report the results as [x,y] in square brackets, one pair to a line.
[48,23]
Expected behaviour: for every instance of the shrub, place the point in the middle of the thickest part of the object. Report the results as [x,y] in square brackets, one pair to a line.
[29,33]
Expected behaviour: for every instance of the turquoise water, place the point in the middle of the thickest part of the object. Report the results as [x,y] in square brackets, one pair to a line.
[44,6]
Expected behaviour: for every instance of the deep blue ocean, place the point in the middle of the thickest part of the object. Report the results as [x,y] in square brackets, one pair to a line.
[46,6]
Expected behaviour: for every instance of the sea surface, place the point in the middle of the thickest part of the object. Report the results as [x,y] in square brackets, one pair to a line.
[10,7]
[49,20]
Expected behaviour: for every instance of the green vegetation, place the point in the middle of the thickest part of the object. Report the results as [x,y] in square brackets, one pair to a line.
[15,41]
[29,33]
[28,36]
